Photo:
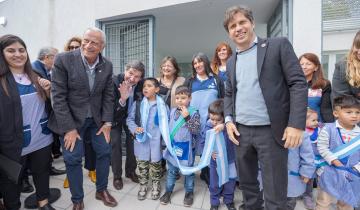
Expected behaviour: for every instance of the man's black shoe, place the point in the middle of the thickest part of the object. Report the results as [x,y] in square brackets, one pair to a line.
[56,172]
[133,176]
[26,186]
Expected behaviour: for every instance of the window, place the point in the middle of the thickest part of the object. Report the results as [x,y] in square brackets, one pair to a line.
[130,40]
[325,65]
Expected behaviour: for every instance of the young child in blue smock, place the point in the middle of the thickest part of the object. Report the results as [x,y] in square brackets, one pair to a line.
[301,166]
[143,122]
[216,121]
[183,126]
[339,146]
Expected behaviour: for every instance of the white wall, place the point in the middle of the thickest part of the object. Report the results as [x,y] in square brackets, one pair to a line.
[307,26]
[46,22]
[338,40]
[109,8]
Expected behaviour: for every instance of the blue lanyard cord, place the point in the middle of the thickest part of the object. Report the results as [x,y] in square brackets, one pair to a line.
[342,140]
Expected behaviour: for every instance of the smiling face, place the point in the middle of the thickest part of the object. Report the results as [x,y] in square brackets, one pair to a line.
[223,53]
[92,45]
[132,76]
[16,56]
[241,31]
[199,67]
[168,69]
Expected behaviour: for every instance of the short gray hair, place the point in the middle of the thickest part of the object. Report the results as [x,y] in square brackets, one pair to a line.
[136,64]
[103,36]
[46,51]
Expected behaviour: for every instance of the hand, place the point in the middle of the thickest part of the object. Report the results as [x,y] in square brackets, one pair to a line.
[70,139]
[105,129]
[304,179]
[214,155]
[231,130]
[124,90]
[336,163]
[184,111]
[219,128]
[139,130]
[44,83]
[292,137]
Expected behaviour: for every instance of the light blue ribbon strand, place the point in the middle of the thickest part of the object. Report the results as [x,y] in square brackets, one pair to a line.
[342,151]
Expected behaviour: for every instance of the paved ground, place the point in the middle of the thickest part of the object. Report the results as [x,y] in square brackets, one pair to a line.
[127,197]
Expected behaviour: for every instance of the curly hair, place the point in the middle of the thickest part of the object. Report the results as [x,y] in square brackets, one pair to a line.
[73,39]
[353,63]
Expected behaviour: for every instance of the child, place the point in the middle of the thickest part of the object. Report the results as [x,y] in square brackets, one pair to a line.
[143,122]
[339,174]
[301,164]
[182,135]
[312,130]
[216,121]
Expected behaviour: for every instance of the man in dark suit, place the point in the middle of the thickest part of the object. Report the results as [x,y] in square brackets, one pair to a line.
[127,89]
[82,99]
[265,108]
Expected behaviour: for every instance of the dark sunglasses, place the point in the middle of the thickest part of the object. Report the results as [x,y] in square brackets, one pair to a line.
[73,47]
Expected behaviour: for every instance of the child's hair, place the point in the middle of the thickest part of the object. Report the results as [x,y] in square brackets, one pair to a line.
[217,107]
[344,102]
[182,89]
[310,112]
[155,82]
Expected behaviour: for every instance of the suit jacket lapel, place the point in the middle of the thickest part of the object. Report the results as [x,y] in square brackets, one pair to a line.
[232,69]
[261,51]
[80,67]
[98,72]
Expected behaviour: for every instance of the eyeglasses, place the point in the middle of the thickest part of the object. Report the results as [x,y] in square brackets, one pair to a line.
[73,47]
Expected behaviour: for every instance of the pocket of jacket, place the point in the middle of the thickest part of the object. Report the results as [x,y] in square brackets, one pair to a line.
[26,135]
[181,150]
[44,126]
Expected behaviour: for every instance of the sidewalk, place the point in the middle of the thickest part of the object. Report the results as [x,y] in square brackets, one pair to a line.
[127,197]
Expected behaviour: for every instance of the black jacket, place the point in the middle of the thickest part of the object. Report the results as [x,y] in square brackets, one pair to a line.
[121,113]
[11,121]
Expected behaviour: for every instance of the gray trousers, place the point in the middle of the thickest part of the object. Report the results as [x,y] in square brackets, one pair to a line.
[258,146]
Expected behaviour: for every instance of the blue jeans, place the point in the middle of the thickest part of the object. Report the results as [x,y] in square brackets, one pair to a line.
[171,179]
[73,161]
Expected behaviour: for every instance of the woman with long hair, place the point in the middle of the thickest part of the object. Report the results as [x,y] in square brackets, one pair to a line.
[319,88]
[218,64]
[205,88]
[24,136]
[346,78]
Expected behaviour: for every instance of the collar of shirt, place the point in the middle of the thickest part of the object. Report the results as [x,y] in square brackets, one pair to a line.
[355,129]
[252,45]
[91,67]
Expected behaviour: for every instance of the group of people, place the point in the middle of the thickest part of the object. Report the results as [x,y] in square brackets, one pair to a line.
[244,114]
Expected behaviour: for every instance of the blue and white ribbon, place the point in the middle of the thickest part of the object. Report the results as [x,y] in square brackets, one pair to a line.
[214,142]
[144,110]
[341,151]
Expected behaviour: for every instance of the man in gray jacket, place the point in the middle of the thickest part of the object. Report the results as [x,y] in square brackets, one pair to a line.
[82,100]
